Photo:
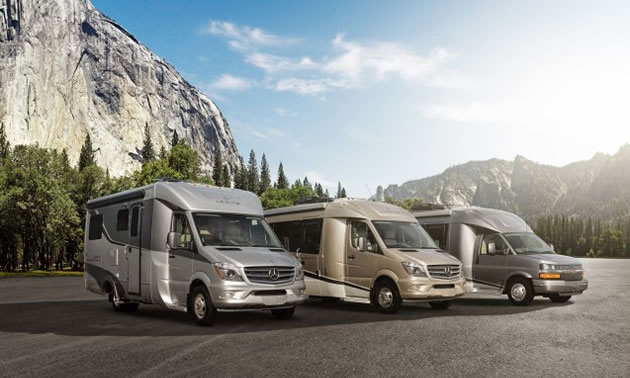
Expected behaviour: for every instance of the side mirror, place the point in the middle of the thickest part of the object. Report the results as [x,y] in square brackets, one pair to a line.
[171,240]
[362,247]
[552,247]
[174,241]
[492,248]
[437,242]
[285,243]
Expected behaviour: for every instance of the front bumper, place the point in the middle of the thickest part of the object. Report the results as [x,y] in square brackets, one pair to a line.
[244,296]
[559,287]
[426,289]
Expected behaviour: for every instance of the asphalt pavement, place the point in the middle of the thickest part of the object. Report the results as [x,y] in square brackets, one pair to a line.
[53,327]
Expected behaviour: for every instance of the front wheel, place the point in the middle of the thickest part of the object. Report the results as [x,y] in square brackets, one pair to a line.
[201,306]
[520,291]
[284,314]
[123,306]
[555,298]
[385,297]
[442,305]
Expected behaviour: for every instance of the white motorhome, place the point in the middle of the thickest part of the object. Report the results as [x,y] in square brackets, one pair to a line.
[367,252]
[189,247]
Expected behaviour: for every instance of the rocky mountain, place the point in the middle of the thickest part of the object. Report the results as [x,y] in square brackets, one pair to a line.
[599,186]
[67,70]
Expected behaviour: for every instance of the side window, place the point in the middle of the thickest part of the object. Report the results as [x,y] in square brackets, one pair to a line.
[96,227]
[122,220]
[438,232]
[181,228]
[135,215]
[361,230]
[499,244]
[312,236]
[290,234]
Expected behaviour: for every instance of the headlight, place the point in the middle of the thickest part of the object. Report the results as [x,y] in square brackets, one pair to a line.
[414,269]
[227,272]
[547,267]
[299,273]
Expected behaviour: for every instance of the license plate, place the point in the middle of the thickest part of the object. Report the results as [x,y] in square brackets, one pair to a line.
[274,300]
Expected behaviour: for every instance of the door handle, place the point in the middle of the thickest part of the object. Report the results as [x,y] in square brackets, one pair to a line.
[351,257]
[171,256]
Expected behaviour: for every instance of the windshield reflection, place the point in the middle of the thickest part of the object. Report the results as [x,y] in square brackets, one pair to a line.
[235,230]
[403,235]
[527,243]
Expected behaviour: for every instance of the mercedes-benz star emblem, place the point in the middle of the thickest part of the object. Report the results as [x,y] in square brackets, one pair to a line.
[274,274]
[447,270]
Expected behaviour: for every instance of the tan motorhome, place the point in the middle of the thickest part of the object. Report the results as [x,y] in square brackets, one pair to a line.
[367,252]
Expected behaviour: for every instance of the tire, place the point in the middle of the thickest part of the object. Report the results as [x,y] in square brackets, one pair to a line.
[520,291]
[555,298]
[284,314]
[200,303]
[385,297]
[123,306]
[442,305]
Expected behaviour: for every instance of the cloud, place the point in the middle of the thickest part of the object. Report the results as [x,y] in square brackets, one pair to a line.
[314,176]
[307,86]
[245,37]
[273,63]
[229,82]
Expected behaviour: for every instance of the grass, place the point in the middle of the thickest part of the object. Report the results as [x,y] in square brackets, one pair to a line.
[40,273]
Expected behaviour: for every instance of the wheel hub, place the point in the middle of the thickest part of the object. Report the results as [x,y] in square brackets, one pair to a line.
[200,306]
[518,291]
[385,297]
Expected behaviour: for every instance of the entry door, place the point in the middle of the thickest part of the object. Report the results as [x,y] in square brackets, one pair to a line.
[180,259]
[134,250]
[490,268]
[361,265]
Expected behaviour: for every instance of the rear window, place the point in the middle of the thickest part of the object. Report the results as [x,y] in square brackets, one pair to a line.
[96,227]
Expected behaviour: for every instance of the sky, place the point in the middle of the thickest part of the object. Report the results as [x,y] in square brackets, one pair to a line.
[374,93]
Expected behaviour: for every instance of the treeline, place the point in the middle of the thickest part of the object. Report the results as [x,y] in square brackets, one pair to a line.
[585,237]
[43,198]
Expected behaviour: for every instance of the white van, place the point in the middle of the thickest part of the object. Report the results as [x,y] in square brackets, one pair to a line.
[189,247]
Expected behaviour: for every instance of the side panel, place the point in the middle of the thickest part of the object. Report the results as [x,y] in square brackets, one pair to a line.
[333,258]
[462,240]
[135,249]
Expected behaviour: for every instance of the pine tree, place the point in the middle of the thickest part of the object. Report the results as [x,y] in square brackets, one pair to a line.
[217,170]
[175,140]
[253,179]
[307,183]
[319,191]
[265,175]
[240,175]
[163,153]
[297,184]
[326,194]
[226,180]
[343,193]
[338,195]
[5,146]
[283,182]
[148,153]
[86,157]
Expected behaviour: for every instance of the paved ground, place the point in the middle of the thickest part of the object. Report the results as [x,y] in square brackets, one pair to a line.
[52,327]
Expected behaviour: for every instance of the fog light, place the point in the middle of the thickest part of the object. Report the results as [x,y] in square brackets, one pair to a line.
[228,295]
[416,287]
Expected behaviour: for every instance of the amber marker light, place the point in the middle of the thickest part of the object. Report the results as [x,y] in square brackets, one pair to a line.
[549,276]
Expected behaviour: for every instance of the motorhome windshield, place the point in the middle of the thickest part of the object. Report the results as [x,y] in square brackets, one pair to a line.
[235,230]
[403,235]
[527,243]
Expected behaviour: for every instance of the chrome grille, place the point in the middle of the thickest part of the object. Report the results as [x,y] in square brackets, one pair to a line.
[444,272]
[268,274]
[570,272]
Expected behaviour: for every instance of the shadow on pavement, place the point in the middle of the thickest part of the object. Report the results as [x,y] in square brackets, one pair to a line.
[96,317]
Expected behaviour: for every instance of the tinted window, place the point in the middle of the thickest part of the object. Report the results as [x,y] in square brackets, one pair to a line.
[135,213]
[300,236]
[234,230]
[180,226]
[122,220]
[96,227]
[361,230]
[438,232]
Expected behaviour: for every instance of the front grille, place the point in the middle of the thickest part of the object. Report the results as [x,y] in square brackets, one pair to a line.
[444,272]
[444,286]
[570,272]
[270,274]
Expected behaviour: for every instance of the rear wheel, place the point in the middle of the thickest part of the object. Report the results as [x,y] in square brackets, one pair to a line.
[442,305]
[385,297]
[284,314]
[555,298]
[520,291]
[201,306]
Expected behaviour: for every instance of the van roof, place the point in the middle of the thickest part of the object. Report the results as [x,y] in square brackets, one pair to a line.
[189,196]
[346,208]
[492,219]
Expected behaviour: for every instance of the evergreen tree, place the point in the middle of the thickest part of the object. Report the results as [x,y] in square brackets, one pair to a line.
[175,140]
[265,175]
[283,182]
[86,157]
[319,191]
[240,176]
[297,184]
[226,180]
[148,153]
[253,179]
[217,170]
[163,153]
[343,193]
[306,183]
[5,146]
[338,195]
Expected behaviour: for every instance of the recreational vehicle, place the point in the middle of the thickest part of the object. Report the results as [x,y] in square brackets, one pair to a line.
[368,252]
[188,247]
[501,254]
